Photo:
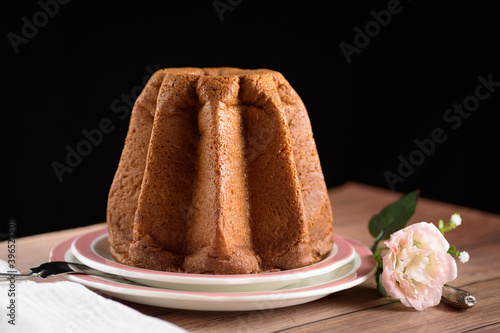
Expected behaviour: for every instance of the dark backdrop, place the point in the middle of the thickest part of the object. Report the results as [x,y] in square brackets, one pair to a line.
[383,82]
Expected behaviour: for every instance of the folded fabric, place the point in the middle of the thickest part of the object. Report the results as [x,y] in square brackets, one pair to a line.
[27,306]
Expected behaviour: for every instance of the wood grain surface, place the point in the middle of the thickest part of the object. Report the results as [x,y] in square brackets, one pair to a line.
[360,308]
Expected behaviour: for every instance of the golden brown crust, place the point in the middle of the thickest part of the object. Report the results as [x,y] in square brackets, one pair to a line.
[126,186]
[219,174]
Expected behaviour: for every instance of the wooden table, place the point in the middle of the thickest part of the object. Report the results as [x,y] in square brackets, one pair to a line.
[360,308]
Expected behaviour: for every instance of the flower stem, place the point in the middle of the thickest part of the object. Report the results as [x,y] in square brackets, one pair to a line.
[458,298]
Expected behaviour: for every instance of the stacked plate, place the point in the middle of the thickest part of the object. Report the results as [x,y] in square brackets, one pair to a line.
[348,264]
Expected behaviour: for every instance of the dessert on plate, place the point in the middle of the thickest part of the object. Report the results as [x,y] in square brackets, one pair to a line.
[219,175]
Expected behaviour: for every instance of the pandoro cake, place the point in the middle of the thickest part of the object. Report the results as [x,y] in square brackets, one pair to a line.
[219,175]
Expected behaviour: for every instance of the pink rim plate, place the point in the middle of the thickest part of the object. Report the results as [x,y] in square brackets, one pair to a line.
[221,301]
[92,249]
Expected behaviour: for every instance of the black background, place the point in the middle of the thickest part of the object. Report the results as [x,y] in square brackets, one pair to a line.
[365,114]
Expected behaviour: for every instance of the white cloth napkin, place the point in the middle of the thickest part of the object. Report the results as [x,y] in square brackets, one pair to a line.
[68,307]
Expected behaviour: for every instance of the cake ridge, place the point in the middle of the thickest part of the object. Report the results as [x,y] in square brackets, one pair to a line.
[220,142]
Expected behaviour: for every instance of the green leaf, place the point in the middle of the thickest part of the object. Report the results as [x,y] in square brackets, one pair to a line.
[393,218]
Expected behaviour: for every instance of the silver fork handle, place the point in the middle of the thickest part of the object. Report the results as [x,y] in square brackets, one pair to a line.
[17,276]
[62,267]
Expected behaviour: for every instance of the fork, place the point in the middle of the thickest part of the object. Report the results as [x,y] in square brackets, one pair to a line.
[61,267]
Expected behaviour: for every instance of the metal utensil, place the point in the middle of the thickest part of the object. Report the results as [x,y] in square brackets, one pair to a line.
[61,267]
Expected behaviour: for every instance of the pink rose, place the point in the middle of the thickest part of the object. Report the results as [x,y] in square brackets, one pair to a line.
[417,266]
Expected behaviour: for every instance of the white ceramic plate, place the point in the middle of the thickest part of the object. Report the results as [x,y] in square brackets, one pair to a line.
[221,301]
[92,249]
